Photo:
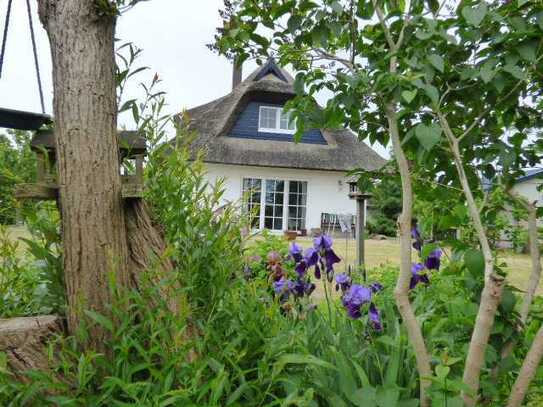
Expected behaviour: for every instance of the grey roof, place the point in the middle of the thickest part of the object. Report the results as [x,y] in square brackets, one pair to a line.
[531,174]
[213,121]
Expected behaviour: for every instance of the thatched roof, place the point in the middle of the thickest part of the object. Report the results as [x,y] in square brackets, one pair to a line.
[270,84]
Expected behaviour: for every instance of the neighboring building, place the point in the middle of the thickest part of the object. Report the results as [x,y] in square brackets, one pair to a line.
[248,140]
[527,187]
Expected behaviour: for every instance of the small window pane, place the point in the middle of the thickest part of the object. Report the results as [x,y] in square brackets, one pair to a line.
[268,223]
[286,122]
[268,117]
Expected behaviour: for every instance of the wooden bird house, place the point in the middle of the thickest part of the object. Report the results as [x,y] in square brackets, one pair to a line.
[132,152]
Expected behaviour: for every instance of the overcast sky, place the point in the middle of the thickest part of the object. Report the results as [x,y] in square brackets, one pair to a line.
[172,33]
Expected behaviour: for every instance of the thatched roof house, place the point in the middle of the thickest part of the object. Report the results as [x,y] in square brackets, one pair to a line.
[248,138]
[226,142]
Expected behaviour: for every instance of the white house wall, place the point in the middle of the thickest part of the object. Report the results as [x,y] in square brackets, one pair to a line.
[528,189]
[327,191]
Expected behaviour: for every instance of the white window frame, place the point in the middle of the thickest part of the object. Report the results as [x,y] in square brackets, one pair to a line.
[277,128]
[286,192]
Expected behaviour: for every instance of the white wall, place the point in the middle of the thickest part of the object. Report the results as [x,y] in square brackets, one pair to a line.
[528,189]
[327,191]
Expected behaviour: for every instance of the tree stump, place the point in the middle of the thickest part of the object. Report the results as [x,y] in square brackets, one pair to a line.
[24,340]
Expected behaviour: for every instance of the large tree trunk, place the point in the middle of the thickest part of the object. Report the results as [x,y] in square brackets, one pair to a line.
[93,228]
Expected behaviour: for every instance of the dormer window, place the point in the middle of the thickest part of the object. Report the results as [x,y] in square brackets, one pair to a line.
[275,120]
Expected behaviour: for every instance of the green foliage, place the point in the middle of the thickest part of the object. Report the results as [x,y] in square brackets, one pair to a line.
[17,164]
[257,251]
[204,234]
[31,279]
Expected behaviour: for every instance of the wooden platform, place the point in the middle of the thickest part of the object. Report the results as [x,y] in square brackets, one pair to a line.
[44,192]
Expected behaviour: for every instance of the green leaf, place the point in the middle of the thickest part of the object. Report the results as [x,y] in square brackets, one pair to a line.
[298,359]
[475,15]
[442,372]
[423,35]
[437,62]
[409,95]
[365,397]
[387,397]
[487,70]
[508,300]
[474,261]
[428,136]
[100,319]
[528,51]
[515,71]
[432,93]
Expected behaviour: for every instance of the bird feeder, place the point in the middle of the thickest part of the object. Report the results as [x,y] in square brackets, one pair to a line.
[132,151]
[361,198]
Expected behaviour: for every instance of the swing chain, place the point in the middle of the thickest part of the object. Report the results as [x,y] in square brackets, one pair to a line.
[34,48]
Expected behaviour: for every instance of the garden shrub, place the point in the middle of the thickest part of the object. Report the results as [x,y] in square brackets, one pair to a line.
[31,279]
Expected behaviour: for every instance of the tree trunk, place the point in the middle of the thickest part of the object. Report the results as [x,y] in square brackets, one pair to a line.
[401,291]
[85,107]
[527,371]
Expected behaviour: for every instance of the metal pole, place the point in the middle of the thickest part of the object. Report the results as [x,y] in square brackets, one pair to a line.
[360,220]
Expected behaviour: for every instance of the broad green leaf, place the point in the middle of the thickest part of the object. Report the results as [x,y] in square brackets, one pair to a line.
[475,15]
[528,51]
[387,397]
[515,71]
[409,95]
[437,62]
[432,93]
[442,372]
[474,261]
[488,71]
[365,397]
[423,35]
[428,136]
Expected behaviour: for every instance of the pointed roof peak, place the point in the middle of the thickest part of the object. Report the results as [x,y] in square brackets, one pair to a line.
[270,70]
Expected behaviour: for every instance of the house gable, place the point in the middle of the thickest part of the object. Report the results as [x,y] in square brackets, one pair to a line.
[247,127]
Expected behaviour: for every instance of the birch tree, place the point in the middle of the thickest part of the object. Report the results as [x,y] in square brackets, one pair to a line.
[445,83]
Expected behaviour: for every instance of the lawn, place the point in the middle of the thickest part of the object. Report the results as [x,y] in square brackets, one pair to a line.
[380,252]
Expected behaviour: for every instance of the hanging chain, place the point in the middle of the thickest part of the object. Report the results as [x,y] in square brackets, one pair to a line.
[5,37]
[34,49]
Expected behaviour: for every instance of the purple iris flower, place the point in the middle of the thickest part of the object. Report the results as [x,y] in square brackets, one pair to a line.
[415,234]
[354,298]
[322,242]
[330,259]
[433,261]
[301,288]
[418,276]
[344,281]
[376,287]
[296,252]
[311,257]
[357,295]
[375,317]
[281,285]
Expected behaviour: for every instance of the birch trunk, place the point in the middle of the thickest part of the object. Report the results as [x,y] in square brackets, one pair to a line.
[493,287]
[401,292]
[85,108]
[527,371]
